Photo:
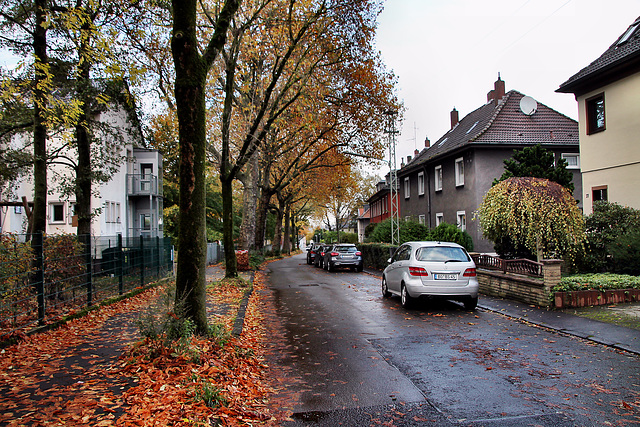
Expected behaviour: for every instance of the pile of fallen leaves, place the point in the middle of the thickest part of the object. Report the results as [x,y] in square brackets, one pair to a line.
[63,377]
[217,380]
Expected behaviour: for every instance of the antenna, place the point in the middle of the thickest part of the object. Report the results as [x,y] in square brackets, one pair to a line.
[391,131]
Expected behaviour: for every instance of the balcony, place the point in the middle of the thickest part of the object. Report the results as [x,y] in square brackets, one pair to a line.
[143,185]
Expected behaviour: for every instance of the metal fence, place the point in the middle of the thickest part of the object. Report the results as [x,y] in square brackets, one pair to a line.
[215,253]
[44,278]
[518,266]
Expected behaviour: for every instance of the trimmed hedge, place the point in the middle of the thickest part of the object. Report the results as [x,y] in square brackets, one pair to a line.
[375,255]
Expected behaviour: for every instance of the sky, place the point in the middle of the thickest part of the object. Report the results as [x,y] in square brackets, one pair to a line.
[448,53]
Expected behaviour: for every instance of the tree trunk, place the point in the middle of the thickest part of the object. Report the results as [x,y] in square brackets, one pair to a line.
[231,264]
[190,83]
[39,215]
[83,140]
[249,204]
[261,218]
[286,244]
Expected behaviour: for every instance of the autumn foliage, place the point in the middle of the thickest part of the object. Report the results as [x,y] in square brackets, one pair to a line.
[533,212]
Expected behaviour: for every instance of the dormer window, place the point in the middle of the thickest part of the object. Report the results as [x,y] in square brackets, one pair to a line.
[627,35]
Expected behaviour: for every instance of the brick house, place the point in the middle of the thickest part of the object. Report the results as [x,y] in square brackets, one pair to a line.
[447,180]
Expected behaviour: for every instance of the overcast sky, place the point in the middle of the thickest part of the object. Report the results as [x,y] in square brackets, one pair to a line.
[448,53]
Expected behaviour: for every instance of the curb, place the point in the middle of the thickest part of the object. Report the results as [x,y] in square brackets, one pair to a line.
[238,324]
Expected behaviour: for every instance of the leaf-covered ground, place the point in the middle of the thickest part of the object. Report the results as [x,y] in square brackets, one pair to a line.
[98,371]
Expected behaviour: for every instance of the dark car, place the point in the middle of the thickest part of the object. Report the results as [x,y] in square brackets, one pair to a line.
[311,252]
[343,255]
[318,261]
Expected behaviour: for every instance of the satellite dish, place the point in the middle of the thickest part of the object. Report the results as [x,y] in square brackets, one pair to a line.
[528,105]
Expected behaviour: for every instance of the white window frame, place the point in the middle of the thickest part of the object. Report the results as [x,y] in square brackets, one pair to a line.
[422,219]
[566,156]
[462,224]
[420,183]
[118,220]
[407,188]
[52,219]
[459,172]
[439,218]
[107,211]
[437,181]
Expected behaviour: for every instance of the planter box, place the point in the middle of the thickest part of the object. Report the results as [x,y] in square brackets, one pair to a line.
[589,298]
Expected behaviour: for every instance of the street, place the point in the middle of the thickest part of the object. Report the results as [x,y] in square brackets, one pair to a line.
[349,357]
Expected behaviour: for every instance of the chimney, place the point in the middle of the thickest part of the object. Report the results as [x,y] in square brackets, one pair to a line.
[416,152]
[408,159]
[454,117]
[427,143]
[498,91]
[401,162]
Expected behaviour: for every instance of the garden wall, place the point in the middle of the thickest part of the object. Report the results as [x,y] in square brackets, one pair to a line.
[519,287]
[591,297]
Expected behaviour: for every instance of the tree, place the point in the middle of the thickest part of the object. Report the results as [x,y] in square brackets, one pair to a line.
[534,213]
[537,162]
[191,71]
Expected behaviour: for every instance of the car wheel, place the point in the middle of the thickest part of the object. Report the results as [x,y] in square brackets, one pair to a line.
[359,269]
[385,288]
[405,298]
[471,303]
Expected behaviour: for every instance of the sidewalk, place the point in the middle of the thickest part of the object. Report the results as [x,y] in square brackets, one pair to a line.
[607,334]
[71,375]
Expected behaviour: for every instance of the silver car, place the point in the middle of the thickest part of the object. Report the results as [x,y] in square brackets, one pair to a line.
[433,270]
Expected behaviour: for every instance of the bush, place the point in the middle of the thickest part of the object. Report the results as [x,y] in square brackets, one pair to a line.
[375,255]
[450,233]
[409,231]
[606,229]
[598,282]
[625,253]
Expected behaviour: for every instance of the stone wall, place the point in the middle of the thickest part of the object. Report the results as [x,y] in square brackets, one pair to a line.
[521,288]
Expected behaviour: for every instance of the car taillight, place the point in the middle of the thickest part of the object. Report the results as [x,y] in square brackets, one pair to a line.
[418,271]
[313,252]
[358,253]
[470,272]
[334,254]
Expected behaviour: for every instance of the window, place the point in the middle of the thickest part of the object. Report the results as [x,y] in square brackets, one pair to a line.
[421,184]
[459,172]
[595,114]
[107,211]
[627,35]
[17,209]
[422,219]
[118,213]
[461,217]
[145,221]
[56,212]
[407,188]
[599,194]
[438,178]
[439,218]
[573,160]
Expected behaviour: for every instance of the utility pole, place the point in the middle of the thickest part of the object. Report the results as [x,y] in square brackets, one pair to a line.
[391,132]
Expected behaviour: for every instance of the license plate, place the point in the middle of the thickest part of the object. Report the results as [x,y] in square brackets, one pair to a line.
[445,276]
[347,257]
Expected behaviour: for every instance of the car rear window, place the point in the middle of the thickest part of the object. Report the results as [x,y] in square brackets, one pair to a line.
[346,249]
[442,254]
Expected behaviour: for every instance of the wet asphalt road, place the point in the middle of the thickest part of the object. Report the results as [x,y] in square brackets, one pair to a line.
[358,359]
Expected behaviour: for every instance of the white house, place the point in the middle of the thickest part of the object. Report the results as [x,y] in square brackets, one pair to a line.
[129,204]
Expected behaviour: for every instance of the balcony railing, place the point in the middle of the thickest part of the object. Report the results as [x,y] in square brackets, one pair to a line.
[143,185]
[517,266]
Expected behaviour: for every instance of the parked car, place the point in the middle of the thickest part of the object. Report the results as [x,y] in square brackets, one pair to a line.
[312,249]
[431,270]
[318,261]
[343,255]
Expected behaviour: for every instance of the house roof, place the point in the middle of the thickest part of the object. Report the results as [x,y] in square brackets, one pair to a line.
[621,59]
[503,124]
